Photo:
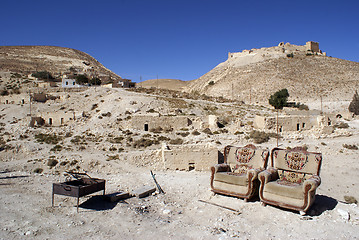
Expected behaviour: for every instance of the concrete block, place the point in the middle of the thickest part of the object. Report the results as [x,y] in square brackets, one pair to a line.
[143,191]
[117,196]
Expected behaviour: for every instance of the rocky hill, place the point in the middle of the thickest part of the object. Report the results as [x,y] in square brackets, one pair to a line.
[253,75]
[56,60]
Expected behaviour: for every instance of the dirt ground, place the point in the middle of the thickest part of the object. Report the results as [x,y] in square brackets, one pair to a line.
[25,196]
[26,211]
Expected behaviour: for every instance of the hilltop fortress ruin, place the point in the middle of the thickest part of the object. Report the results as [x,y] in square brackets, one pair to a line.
[310,48]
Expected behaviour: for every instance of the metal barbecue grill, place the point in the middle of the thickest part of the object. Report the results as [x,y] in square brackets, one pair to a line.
[82,186]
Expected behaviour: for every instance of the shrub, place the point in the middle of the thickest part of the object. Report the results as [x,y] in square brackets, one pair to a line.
[196,133]
[183,134]
[211,83]
[48,138]
[342,125]
[38,170]
[290,55]
[351,147]
[82,79]
[112,157]
[144,142]
[176,141]
[207,131]
[163,138]
[259,137]
[52,163]
[94,106]
[350,199]
[156,130]
[56,148]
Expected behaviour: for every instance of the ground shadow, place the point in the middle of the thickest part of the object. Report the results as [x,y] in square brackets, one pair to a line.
[98,203]
[322,203]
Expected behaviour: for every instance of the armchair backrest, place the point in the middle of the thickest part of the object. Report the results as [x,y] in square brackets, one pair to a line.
[296,160]
[240,159]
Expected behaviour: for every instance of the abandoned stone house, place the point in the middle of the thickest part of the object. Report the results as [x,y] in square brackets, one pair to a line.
[123,83]
[15,99]
[150,122]
[55,119]
[293,123]
[189,157]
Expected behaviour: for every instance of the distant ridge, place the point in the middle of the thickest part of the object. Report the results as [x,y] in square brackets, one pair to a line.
[57,60]
[170,84]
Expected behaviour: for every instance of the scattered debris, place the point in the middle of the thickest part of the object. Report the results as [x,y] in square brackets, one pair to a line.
[345,215]
[117,196]
[217,205]
[143,191]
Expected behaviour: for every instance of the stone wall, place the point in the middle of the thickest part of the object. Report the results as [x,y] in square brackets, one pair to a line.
[15,99]
[189,157]
[148,122]
[292,123]
[57,119]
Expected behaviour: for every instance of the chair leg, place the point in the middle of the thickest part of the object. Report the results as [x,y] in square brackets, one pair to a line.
[302,213]
[263,204]
[245,200]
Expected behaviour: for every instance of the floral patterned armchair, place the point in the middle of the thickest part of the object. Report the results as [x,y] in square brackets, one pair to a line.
[238,175]
[292,179]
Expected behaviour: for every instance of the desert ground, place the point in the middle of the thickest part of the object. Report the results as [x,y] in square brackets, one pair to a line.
[25,196]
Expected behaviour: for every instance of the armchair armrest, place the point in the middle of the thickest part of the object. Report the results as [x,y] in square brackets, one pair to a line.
[268,175]
[252,174]
[223,167]
[312,183]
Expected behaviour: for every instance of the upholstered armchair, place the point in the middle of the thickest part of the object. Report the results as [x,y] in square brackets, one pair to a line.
[238,175]
[292,179]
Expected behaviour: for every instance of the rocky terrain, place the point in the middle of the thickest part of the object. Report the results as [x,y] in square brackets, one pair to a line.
[98,142]
[56,60]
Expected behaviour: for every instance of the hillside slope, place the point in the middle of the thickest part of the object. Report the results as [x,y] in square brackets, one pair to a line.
[254,76]
[57,60]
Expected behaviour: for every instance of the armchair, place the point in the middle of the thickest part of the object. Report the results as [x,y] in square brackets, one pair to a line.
[292,179]
[238,175]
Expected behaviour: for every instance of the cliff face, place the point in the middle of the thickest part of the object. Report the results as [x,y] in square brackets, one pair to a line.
[57,60]
[253,75]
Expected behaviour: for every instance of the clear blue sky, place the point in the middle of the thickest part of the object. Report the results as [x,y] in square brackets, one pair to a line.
[180,39]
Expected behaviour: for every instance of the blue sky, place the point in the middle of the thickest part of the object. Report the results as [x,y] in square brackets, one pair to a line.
[139,39]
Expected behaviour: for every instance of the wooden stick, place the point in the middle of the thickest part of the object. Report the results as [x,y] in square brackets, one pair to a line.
[158,186]
[217,205]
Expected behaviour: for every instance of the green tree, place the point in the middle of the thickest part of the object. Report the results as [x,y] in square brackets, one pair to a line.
[279,99]
[95,81]
[354,104]
[82,79]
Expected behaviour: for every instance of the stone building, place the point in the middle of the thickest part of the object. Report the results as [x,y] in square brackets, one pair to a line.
[189,157]
[155,121]
[293,123]
[55,119]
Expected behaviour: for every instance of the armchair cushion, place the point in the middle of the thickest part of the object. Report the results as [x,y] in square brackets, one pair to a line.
[232,178]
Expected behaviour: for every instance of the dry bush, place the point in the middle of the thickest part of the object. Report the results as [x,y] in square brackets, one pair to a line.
[144,142]
[351,147]
[342,125]
[196,133]
[38,170]
[48,138]
[207,131]
[176,141]
[52,163]
[260,137]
